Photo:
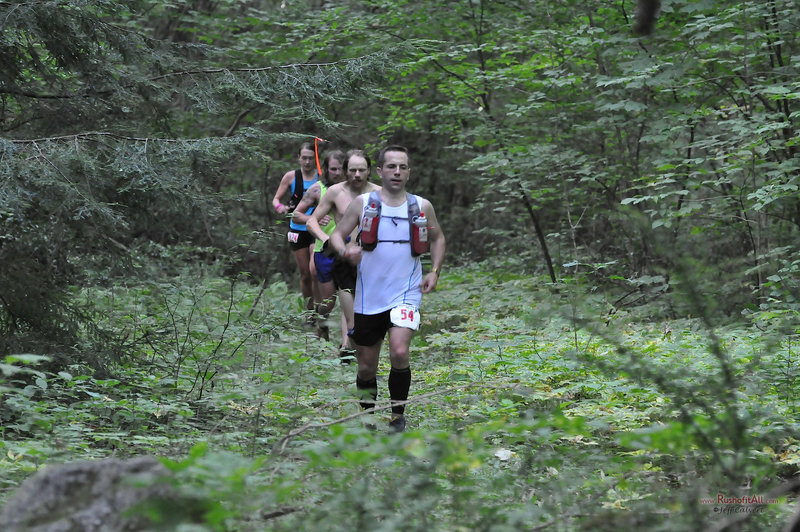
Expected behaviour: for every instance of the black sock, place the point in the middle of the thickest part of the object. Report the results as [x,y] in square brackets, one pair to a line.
[399,384]
[367,389]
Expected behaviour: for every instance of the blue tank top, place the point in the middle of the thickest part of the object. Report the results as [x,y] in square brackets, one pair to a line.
[306,185]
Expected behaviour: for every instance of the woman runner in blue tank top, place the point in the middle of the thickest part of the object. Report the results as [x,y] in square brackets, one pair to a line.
[301,242]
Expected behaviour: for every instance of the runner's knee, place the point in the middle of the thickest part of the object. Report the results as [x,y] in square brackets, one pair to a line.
[399,357]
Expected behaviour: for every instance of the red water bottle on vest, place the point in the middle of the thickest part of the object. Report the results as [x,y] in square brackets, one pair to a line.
[369,228]
[419,234]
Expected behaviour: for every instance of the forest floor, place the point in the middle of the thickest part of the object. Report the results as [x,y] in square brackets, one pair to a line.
[530,408]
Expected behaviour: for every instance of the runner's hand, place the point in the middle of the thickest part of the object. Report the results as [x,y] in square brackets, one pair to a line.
[352,253]
[328,250]
[428,283]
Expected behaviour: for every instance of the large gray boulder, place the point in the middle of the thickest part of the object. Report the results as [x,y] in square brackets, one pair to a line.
[87,496]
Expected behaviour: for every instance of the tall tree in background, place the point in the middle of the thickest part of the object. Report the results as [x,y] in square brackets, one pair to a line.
[562,109]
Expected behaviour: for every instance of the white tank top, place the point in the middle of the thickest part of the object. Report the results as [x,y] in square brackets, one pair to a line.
[388,276]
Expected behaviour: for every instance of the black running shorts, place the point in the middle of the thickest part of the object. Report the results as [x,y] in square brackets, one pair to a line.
[369,329]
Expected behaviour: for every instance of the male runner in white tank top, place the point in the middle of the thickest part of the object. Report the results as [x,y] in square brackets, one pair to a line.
[390,282]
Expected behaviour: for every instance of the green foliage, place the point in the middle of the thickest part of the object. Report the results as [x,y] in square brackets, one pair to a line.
[528,408]
[117,132]
[659,173]
[535,127]
[563,105]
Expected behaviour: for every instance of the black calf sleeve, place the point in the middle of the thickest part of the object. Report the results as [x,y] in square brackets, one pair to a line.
[367,389]
[399,384]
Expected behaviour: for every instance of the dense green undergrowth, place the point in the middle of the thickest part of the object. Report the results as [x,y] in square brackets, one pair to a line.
[532,407]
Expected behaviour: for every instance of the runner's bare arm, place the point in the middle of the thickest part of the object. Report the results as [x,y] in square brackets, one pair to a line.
[344,227]
[283,188]
[320,215]
[437,248]
[310,199]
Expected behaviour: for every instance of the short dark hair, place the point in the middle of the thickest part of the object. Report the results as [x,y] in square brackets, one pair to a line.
[306,146]
[391,147]
[358,153]
[335,154]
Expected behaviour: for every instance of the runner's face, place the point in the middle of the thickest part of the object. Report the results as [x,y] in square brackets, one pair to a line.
[335,170]
[395,171]
[357,171]
[306,160]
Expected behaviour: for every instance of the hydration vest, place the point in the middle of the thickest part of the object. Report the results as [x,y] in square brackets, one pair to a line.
[414,234]
[299,188]
[297,192]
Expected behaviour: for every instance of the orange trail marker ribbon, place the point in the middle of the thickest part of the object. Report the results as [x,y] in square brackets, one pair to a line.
[316,154]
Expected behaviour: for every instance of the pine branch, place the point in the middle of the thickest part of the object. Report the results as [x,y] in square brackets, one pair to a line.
[37,96]
[116,136]
[206,71]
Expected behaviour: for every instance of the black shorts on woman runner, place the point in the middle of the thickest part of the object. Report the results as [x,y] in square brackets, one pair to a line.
[299,239]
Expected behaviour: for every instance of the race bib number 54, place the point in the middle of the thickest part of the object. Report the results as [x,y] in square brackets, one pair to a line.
[405,316]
